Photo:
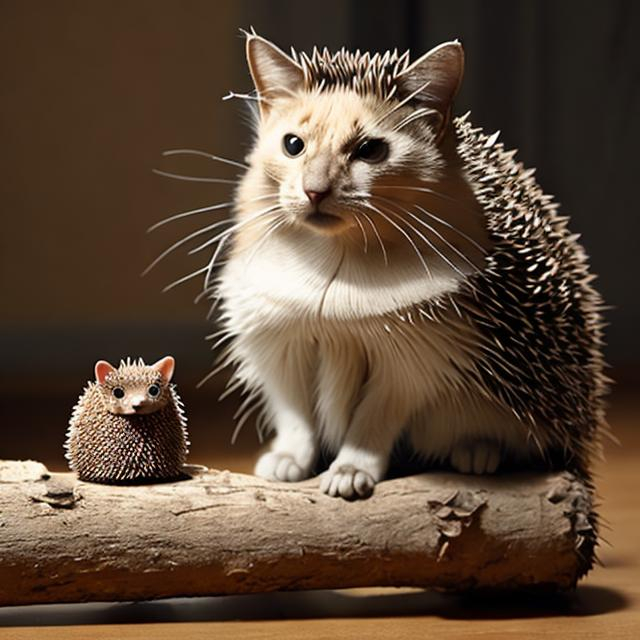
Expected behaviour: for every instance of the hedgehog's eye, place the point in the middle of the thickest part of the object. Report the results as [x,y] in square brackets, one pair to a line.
[118,392]
[292,145]
[153,390]
[372,150]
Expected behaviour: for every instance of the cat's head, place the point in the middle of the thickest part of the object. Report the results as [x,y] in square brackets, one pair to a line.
[135,388]
[350,143]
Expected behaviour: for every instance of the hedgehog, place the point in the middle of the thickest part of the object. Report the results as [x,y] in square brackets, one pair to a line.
[129,425]
[393,274]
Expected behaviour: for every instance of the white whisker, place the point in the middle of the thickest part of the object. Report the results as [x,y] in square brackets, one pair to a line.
[377,235]
[184,279]
[179,176]
[426,190]
[236,226]
[407,236]
[204,154]
[206,288]
[244,96]
[264,238]
[191,212]
[434,231]
[365,241]
[175,245]
[454,229]
[428,242]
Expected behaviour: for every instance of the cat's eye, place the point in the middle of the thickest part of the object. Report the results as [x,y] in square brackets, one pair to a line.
[118,392]
[153,390]
[293,145]
[372,150]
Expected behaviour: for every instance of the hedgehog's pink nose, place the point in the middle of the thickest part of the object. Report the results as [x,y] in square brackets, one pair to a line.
[137,402]
[315,197]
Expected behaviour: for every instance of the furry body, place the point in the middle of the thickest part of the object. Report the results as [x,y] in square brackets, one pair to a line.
[478,362]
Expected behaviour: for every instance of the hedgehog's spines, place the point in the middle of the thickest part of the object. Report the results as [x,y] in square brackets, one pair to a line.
[113,448]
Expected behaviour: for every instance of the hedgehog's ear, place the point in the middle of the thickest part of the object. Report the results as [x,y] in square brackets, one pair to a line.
[434,79]
[274,73]
[102,370]
[165,366]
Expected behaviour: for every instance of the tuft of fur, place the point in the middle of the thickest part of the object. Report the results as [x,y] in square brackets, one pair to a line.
[109,448]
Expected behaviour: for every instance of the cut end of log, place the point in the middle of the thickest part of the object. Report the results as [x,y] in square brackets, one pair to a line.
[219,532]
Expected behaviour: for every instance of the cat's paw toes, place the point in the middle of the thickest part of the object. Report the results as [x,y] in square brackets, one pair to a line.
[277,465]
[347,481]
[477,457]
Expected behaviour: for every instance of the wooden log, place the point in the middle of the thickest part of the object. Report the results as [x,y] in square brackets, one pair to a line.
[218,532]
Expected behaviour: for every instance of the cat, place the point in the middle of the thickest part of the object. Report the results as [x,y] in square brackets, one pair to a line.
[353,285]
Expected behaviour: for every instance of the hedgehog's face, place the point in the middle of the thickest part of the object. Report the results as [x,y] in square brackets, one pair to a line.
[135,389]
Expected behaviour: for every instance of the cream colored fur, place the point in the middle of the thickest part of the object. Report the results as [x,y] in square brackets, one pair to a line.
[332,336]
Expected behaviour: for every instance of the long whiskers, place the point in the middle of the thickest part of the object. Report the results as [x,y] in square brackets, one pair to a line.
[406,235]
[204,154]
[365,242]
[179,176]
[462,234]
[367,217]
[206,288]
[435,231]
[444,196]
[428,242]
[214,207]
[184,240]
[237,226]
[274,227]
[191,212]
[184,279]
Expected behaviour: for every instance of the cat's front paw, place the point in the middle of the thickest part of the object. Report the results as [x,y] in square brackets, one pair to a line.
[280,465]
[347,481]
[478,457]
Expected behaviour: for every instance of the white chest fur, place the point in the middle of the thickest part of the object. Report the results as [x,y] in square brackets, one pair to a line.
[318,332]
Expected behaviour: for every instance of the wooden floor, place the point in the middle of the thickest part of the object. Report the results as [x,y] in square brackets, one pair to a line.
[605,605]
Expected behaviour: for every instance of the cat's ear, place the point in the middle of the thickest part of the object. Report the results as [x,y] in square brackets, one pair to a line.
[166,367]
[274,73]
[102,370]
[434,79]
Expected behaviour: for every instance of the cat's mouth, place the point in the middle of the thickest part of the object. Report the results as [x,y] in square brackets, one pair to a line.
[323,220]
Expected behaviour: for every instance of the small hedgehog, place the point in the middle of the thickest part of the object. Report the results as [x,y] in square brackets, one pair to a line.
[129,425]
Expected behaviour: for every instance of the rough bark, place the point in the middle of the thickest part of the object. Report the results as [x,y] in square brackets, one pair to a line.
[218,532]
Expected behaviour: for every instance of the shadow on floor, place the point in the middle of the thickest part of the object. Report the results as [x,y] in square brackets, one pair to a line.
[585,601]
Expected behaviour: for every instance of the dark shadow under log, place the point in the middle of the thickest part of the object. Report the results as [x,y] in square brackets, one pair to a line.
[62,540]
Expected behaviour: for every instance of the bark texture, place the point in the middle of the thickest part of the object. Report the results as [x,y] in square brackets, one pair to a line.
[62,540]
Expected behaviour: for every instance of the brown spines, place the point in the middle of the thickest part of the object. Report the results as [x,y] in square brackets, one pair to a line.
[364,73]
[111,448]
[536,313]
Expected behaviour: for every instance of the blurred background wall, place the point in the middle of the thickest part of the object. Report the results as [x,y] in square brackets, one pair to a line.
[93,91]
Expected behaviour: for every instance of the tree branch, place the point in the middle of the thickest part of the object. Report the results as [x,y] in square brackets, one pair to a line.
[62,540]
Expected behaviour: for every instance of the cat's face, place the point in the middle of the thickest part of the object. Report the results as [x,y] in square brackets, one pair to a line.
[326,153]
[360,147]
[135,389]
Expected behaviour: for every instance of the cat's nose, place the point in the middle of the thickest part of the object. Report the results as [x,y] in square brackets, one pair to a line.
[315,197]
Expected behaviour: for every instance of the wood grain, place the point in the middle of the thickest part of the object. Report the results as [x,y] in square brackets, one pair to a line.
[226,533]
